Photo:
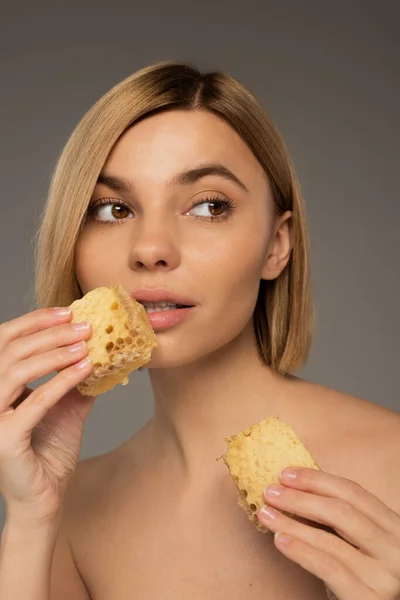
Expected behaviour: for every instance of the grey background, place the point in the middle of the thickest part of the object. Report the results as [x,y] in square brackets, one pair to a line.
[327,72]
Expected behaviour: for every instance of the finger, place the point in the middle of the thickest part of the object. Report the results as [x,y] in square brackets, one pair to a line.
[343,583]
[31,412]
[326,484]
[33,368]
[366,569]
[26,392]
[43,341]
[32,322]
[10,409]
[352,525]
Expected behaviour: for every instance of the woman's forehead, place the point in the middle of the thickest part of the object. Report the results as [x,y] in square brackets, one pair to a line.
[167,144]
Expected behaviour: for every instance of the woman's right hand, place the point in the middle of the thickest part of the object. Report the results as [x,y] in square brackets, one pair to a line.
[41,430]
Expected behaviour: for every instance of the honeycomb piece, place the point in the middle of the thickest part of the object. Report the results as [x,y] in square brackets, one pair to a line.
[122,338]
[255,458]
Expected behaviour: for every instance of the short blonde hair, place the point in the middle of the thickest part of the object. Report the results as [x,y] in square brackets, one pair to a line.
[283,316]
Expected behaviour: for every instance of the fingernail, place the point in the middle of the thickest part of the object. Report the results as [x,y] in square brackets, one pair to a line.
[77,347]
[289,474]
[61,311]
[83,363]
[283,539]
[80,326]
[268,513]
[273,491]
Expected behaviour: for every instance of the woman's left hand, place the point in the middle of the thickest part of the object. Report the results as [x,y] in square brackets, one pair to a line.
[363,560]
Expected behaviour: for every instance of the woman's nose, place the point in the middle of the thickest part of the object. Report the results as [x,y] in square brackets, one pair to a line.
[156,246]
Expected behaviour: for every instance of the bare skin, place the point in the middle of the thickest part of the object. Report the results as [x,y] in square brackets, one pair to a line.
[151,532]
[157,517]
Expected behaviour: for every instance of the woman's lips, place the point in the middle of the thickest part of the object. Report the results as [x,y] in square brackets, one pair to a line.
[161,295]
[164,319]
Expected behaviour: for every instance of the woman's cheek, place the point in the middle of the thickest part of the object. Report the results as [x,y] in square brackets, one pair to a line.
[97,262]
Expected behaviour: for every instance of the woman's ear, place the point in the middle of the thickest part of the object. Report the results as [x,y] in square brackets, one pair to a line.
[279,248]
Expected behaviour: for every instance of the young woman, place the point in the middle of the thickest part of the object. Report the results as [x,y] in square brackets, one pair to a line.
[177,186]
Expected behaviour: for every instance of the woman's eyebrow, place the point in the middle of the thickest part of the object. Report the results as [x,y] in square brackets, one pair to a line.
[120,184]
[193,175]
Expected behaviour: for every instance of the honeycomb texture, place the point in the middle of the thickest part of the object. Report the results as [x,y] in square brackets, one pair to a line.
[255,458]
[122,338]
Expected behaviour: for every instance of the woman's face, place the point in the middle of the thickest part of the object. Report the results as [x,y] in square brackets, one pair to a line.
[208,236]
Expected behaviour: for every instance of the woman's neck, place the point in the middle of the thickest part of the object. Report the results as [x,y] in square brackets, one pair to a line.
[197,405]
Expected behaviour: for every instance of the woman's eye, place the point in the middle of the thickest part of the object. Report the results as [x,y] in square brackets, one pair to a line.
[110,211]
[212,209]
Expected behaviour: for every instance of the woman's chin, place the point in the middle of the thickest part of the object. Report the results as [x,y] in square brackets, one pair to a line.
[200,346]
[168,358]
[168,362]
[174,356]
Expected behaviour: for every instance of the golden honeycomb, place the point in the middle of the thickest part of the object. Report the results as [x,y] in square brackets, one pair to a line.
[255,457]
[122,338]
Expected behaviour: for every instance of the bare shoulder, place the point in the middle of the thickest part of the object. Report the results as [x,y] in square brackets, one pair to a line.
[356,438]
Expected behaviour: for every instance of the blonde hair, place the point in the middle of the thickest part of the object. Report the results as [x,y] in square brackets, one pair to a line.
[283,316]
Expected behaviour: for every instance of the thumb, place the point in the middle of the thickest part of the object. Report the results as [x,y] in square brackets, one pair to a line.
[64,419]
[74,401]
[71,407]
